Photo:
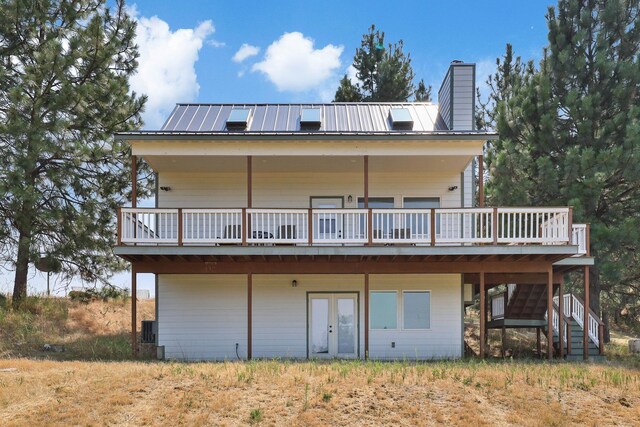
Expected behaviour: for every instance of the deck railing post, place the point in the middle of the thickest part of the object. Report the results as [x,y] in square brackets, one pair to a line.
[570,221]
[119,226]
[310,226]
[432,220]
[601,337]
[244,227]
[180,226]
[370,226]
[494,230]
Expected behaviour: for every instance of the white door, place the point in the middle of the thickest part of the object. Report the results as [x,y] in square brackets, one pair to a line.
[333,325]
[326,225]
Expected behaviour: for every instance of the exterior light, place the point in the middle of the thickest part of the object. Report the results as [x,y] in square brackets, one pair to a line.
[294,283]
[453,188]
[165,188]
[350,198]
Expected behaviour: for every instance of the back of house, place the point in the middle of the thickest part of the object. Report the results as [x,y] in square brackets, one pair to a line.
[343,230]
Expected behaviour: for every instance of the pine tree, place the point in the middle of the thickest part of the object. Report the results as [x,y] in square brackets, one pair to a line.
[347,91]
[64,69]
[384,73]
[423,92]
[570,135]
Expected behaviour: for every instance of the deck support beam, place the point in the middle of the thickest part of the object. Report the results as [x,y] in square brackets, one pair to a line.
[550,313]
[587,308]
[483,315]
[366,315]
[249,313]
[134,312]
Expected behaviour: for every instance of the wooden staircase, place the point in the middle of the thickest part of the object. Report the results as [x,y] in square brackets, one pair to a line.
[528,303]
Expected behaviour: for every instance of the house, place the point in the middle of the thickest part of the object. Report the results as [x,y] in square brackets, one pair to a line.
[343,231]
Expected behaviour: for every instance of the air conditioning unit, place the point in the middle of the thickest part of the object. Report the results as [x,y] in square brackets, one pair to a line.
[149,331]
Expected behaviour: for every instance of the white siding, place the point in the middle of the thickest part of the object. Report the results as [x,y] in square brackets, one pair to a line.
[202,317]
[280,311]
[293,189]
[442,340]
[468,186]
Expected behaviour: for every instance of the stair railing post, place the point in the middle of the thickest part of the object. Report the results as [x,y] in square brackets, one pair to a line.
[561,318]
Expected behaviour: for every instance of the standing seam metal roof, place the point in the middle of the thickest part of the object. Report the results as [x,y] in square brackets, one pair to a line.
[336,117]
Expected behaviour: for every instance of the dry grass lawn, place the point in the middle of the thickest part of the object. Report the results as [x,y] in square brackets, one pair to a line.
[314,394]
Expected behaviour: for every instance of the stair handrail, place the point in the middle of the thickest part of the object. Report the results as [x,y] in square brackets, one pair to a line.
[594,326]
[555,322]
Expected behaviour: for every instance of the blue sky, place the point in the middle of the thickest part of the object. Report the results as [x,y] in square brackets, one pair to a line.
[187,50]
[434,33]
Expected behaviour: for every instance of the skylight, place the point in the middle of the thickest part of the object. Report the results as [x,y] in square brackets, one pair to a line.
[401,118]
[310,118]
[238,118]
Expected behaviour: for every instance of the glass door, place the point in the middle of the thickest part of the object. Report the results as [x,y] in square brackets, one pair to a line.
[327,226]
[333,325]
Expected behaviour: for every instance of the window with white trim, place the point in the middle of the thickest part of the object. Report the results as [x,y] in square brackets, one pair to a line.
[416,309]
[383,309]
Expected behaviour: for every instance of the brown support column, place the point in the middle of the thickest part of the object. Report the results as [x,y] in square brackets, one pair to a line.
[134,181]
[366,182]
[481,181]
[585,336]
[134,312]
[249,310]
[538,346]
[504,341]
[483,315]
[366,201]
[249,181]
[561,317]
[550,313]
[366,315]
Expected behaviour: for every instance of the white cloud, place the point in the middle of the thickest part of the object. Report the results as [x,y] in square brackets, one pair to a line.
[292,63]
[245,51]
[166,72]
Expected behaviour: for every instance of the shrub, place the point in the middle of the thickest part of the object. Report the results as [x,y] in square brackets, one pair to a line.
[3,302]
[84,297]
[256,415]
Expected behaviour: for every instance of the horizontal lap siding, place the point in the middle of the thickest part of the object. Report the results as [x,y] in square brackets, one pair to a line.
[293,189]
[463,95]
[280,311]
[443,340]
[202,317]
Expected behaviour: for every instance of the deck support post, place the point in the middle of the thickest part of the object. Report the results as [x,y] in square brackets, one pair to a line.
[249,313]
[134,312]
[550,313]
[561,319]
[366,201]
[585,329]
[249,181]
[366,316]
[538,344]
[504,341]
[483,315]
[481,181]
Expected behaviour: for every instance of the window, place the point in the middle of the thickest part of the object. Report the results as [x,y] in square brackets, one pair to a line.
[421,202]
[401,118]
[238,118]
[381,228]
[384,310]
[310,118]
[416,309]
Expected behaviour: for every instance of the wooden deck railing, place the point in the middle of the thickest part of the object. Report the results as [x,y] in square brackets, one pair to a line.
[443,227]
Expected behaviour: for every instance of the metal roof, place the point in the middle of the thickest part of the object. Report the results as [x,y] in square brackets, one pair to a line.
[284,118]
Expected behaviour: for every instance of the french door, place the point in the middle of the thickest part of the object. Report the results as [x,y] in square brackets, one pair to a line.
[333,325]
